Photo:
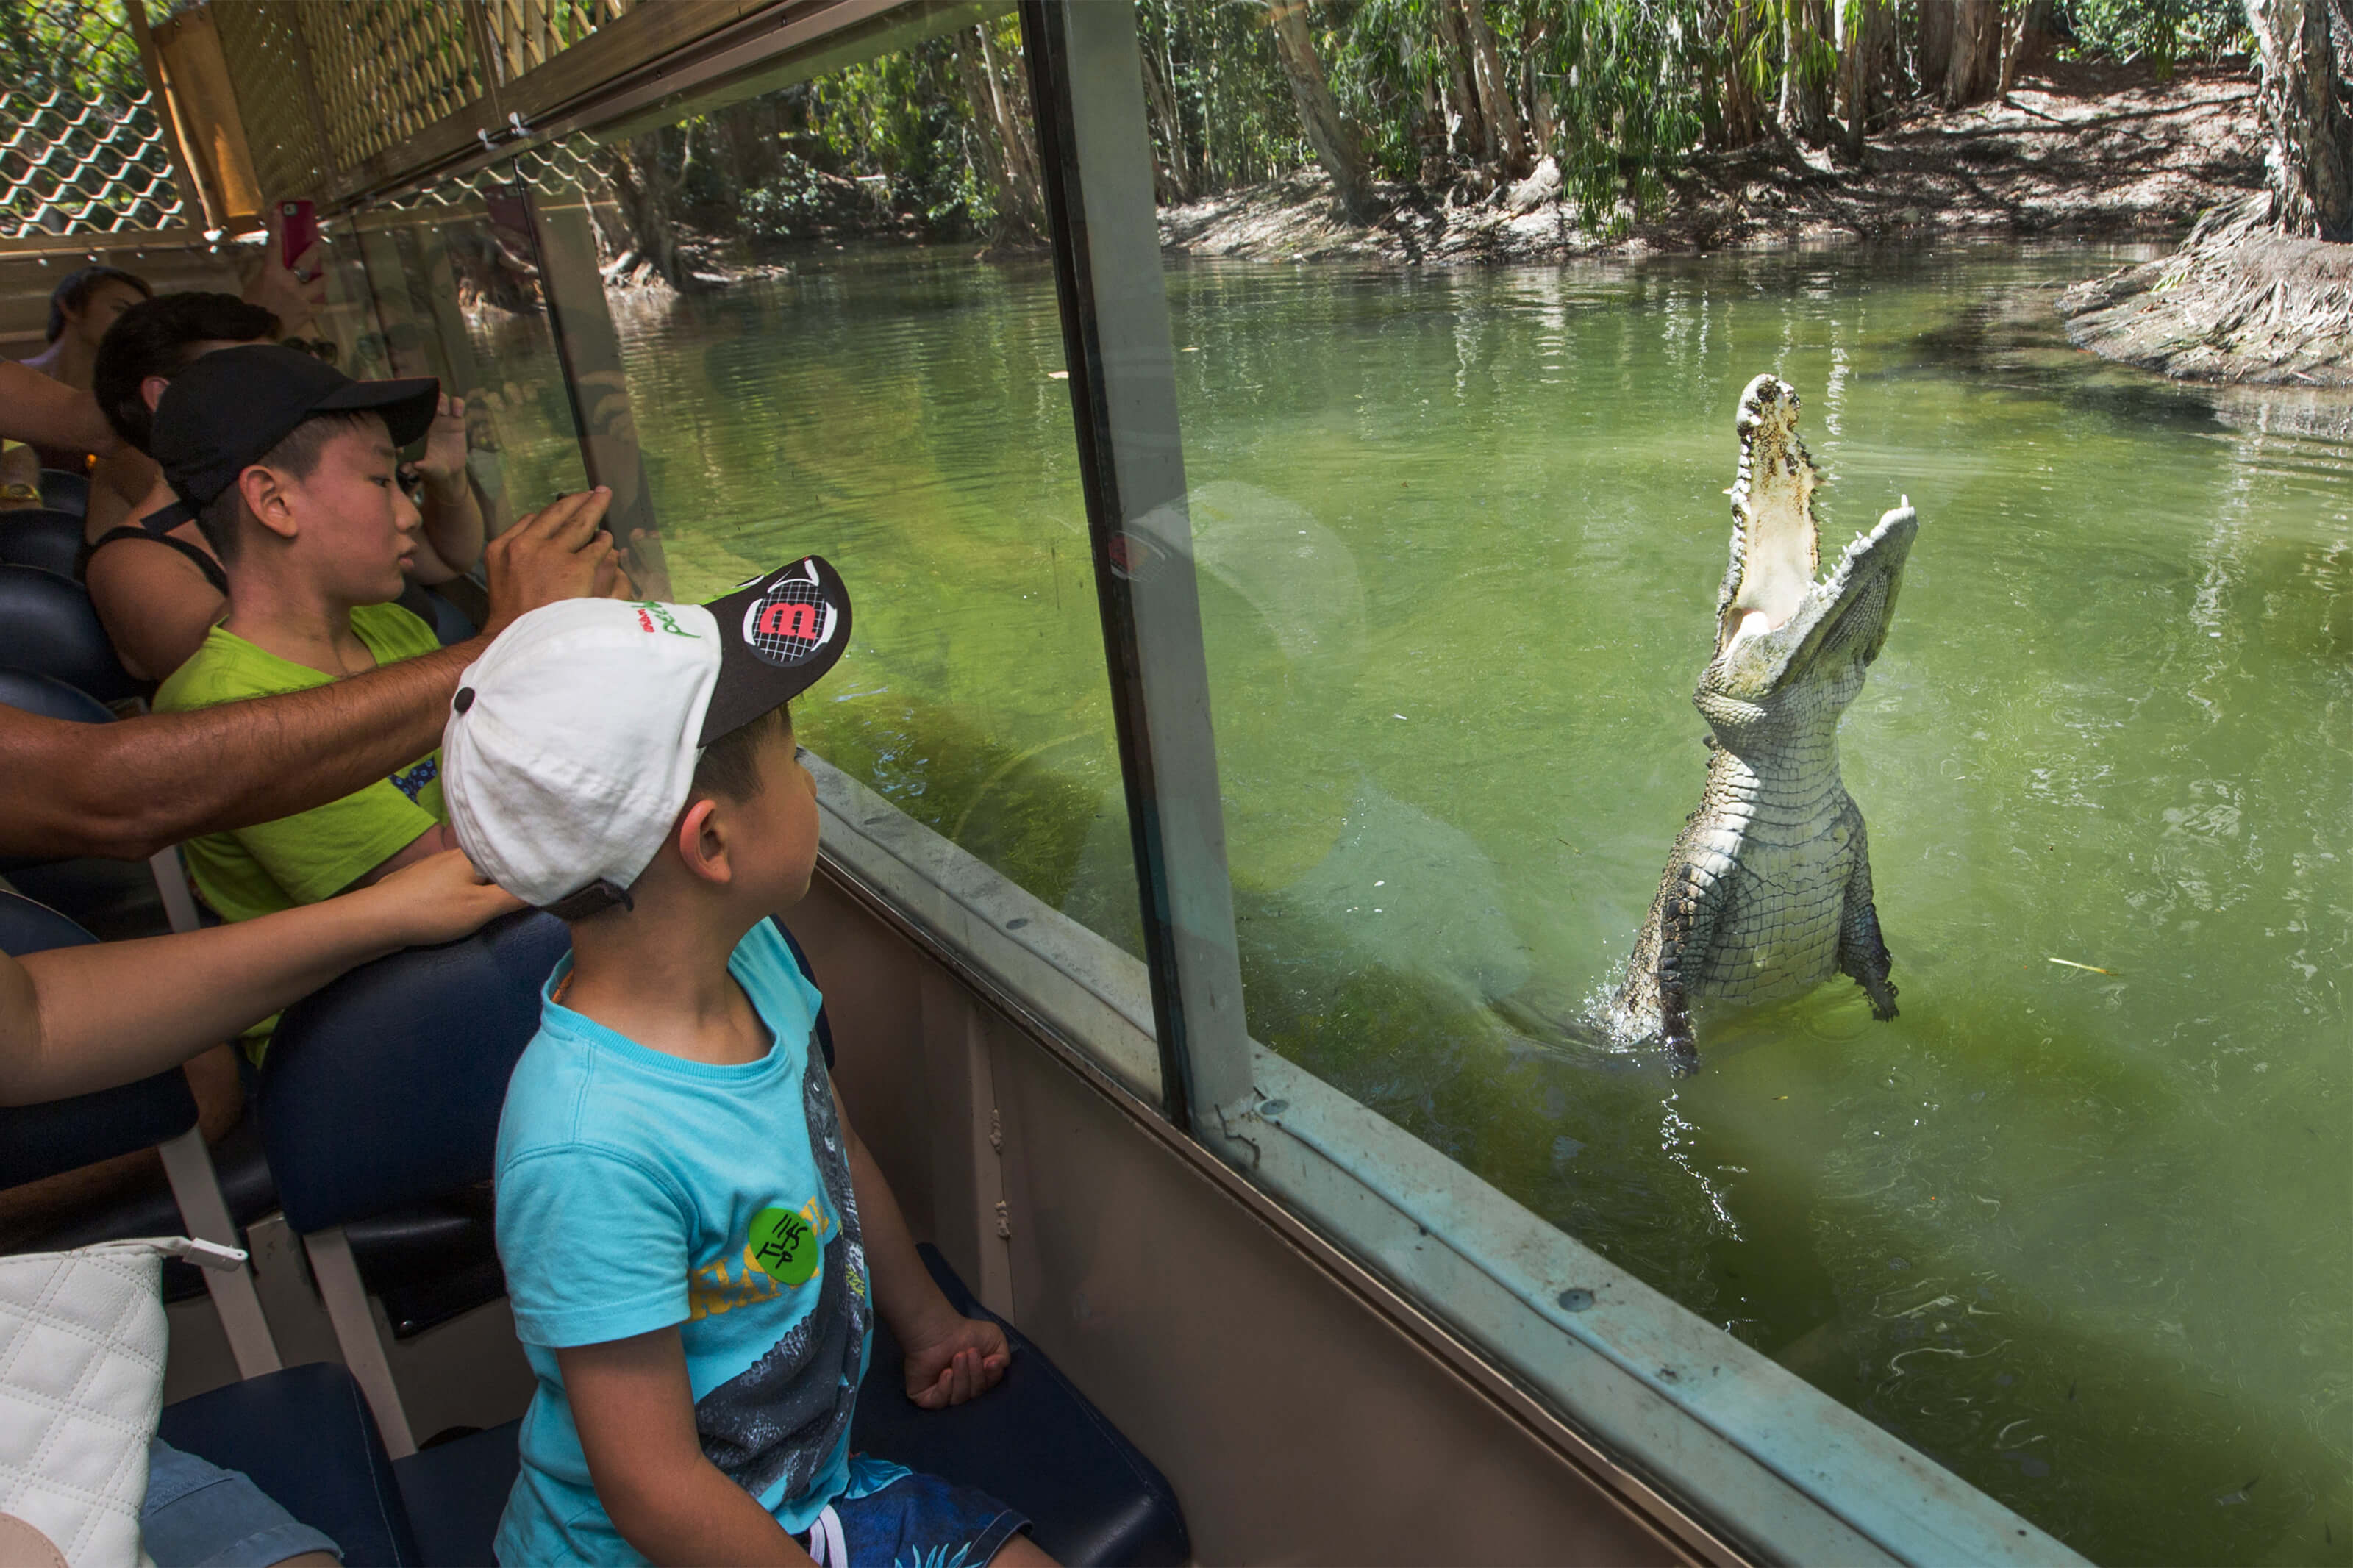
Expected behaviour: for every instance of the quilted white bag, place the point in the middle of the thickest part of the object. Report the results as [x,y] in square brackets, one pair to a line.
[82,1338]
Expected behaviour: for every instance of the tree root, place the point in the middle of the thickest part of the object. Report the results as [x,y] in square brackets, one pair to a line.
[2239,303]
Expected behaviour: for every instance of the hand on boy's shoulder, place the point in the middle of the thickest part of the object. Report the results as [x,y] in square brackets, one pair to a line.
[966,1359]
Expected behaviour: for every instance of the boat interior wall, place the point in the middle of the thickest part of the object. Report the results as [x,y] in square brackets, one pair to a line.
[1296,1422]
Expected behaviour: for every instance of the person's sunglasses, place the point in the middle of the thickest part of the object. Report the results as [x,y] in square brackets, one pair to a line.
[317,348]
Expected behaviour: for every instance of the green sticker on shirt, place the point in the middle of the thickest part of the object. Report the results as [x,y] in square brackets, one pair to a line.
[783,1246]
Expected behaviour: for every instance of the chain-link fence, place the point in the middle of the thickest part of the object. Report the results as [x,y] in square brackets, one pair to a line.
[83,147]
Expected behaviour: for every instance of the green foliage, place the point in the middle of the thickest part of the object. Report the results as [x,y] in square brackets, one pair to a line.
[2161,31]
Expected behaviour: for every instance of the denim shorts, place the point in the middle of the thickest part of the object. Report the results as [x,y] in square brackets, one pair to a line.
[197,1515]
[912,1521]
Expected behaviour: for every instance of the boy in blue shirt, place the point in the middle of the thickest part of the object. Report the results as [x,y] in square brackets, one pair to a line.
[695,1240]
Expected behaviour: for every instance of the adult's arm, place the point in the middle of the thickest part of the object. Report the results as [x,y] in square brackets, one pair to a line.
[77,1019]
[127,789]
[45,413]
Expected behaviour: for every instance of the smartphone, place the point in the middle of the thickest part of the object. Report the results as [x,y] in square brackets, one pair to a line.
[298,230]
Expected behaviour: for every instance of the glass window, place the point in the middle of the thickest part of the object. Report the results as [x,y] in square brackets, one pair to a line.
[781,337]
[456,295]
[1458,533]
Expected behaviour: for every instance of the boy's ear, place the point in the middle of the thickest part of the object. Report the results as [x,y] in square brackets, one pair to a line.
[152,389]
[701,843]
[266,498]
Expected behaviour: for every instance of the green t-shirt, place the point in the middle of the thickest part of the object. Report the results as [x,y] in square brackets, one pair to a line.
[318,853]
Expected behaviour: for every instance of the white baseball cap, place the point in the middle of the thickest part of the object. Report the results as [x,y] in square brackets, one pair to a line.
[573,739]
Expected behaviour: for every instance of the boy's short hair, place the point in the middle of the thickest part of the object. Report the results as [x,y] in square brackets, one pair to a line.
[730,765]
[298,454]
[74,289]
[159,337]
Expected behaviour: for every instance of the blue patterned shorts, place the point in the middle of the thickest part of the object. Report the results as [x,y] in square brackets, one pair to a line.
[911,1521]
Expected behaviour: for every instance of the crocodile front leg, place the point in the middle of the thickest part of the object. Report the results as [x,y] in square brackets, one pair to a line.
[1687,915]
[1862,952]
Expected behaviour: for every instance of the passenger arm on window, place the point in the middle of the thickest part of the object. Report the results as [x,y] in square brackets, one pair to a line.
[44,413]
[453,516]
[634,1409]
[950,1358]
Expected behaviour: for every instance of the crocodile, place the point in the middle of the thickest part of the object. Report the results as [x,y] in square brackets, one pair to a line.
[1768,891]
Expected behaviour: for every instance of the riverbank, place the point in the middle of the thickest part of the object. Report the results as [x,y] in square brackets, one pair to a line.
[2076,149]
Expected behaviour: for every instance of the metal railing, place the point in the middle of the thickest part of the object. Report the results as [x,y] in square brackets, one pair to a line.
[82,149]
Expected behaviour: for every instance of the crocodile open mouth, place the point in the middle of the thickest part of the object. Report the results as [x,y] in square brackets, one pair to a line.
[1775,546]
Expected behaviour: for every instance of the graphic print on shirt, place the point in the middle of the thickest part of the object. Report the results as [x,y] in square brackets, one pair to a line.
[413,781]
[780,1255]
[782,1416]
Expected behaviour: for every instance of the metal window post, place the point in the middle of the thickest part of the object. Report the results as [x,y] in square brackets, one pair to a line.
[1087,89]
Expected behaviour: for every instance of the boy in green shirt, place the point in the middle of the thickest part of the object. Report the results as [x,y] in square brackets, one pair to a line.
[291,469]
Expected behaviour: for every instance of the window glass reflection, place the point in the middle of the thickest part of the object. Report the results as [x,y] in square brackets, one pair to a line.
[810,358]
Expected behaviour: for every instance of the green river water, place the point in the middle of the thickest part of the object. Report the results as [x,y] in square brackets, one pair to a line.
[2084,1238]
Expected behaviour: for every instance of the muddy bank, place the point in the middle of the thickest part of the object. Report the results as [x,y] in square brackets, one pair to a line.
[2246,307]
[2100,151]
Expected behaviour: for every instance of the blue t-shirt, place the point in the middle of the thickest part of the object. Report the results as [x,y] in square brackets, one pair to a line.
[636,1191]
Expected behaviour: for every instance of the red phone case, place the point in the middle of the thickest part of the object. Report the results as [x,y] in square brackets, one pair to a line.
[298,227]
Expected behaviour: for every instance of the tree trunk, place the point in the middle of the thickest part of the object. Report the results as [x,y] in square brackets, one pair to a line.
[2029,26]
[1744,117]
[1805,87]
[1859,25]
[1934,56]
[1973,72]
[1508,138]
[1337,146]
[2307,101]
[1461,86]
[648,198]
[1160,102]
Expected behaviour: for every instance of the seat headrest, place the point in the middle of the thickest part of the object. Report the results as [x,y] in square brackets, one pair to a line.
[63,491]
[50,698]
[38,1141]
[37,536]
[47,626]
[384,1088]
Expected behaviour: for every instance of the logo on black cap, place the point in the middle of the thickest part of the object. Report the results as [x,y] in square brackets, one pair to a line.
[791,620]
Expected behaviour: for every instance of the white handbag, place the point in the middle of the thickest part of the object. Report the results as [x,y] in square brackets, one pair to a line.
[83,1337]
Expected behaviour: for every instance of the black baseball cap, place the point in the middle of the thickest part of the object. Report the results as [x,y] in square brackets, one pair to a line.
[778,633]
[225,412]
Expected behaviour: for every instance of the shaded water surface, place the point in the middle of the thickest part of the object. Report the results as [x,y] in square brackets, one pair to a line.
[2080,1234]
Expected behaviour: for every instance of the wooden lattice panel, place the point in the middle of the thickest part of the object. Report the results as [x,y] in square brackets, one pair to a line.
[81,150]
[385,70]
[261,43]
[528,33]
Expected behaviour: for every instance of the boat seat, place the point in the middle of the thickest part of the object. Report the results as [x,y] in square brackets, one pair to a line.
[148,1208]
[1034,1442]
[41,536]
[303,1436]
[38,1141]
[48,626]
[63,491]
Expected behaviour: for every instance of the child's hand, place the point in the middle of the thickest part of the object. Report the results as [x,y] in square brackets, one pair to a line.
[439,899]
[444,443]
[966,1360]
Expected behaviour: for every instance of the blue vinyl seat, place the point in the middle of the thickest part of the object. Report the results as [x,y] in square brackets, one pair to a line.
[303,1436]
[1033,1442]
[43,537]
[62,491]
[48,626]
